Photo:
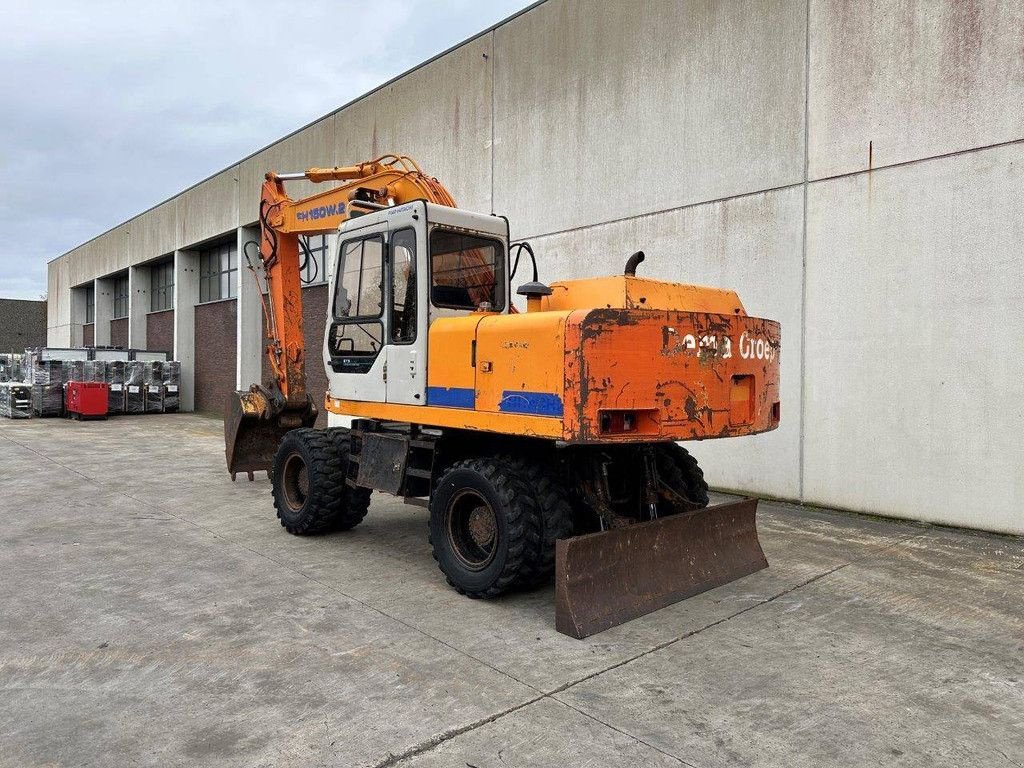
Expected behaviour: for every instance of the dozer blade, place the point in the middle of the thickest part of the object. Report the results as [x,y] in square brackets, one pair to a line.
[254,425]
[605,579]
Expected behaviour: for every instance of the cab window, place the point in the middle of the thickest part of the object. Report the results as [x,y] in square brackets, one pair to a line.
[466,271]
[357,333]
[359,292]
[403,286]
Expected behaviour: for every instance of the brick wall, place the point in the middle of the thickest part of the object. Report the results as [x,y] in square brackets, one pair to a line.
[22,324]
[160,331]
[216,350]
[119,332]
[314,318]
[88,335]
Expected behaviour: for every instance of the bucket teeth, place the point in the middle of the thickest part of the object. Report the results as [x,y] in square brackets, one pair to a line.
[605,579]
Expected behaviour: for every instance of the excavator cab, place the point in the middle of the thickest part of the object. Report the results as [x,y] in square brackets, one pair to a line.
[396,273]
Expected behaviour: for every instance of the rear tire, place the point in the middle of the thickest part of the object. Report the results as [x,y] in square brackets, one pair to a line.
[678,470]
[556,518]
[485,526]
[309,489]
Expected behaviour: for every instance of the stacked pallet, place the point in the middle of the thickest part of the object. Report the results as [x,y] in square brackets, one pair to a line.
[15,400]
[171,384]
[46,377]
[134,387]
[114,374]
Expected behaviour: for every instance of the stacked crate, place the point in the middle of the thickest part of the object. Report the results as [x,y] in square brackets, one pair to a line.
[134,387]
[47,382]
[153,384]
[115,380]
[11,368]
[172,383]
[15,400]
[96,371]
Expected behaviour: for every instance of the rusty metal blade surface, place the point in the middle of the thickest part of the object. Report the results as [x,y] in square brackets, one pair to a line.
[605,579]
[253,429]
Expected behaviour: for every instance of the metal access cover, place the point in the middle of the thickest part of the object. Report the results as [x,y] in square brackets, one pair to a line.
[382,462]
[608,578]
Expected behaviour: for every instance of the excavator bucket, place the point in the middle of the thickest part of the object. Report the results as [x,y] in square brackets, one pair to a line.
[254,425]
[605,579]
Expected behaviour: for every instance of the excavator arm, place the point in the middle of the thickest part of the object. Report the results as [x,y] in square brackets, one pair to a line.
[257,419]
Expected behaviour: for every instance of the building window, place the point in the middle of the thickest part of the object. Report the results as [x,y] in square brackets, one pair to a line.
[90,305]
[161,286]
[313,257]
[121,297]
[218,268]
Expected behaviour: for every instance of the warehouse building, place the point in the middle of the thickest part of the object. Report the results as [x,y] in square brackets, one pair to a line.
[853,170]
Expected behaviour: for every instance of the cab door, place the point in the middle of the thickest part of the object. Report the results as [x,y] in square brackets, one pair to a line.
[406,350]
[356,335]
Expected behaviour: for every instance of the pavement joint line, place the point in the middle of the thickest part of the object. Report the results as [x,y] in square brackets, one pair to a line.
[51,460]
[625,733]
[440,738]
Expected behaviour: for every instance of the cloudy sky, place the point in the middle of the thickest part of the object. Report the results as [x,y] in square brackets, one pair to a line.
[107,108]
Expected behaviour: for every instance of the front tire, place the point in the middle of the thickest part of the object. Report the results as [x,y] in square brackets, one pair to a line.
[486,526]
[309,489]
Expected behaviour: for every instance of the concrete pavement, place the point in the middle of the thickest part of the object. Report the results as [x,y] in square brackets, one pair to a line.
[154,613]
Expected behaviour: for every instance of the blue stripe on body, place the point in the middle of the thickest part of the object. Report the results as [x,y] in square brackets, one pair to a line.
[534,403]
[451,397]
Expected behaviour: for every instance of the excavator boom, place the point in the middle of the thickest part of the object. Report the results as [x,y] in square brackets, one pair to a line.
[256,420]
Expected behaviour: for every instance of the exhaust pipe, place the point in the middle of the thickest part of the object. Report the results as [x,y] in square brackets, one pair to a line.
[632,263]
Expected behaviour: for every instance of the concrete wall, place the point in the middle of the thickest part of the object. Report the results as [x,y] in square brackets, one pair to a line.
[852,169]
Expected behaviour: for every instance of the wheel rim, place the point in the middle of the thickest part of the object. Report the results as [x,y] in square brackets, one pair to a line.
[295,482]
[472,529]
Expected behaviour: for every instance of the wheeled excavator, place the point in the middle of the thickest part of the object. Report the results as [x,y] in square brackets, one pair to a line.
[543,442]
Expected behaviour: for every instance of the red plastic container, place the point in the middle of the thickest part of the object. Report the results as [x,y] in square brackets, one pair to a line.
[86,399]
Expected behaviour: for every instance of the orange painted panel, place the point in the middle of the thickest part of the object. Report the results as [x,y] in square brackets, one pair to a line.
[450,351]
[519,363]
[678,365]
[625,292]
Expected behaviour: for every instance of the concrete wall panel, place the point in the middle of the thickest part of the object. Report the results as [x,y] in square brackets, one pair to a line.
[60,330]
[892,82]
[914,390]
[152,234]
[750,244]
[608,109]
[312,147]
[440,115]
[208,210]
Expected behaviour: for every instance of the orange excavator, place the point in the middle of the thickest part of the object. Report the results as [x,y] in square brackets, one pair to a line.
[543,442]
